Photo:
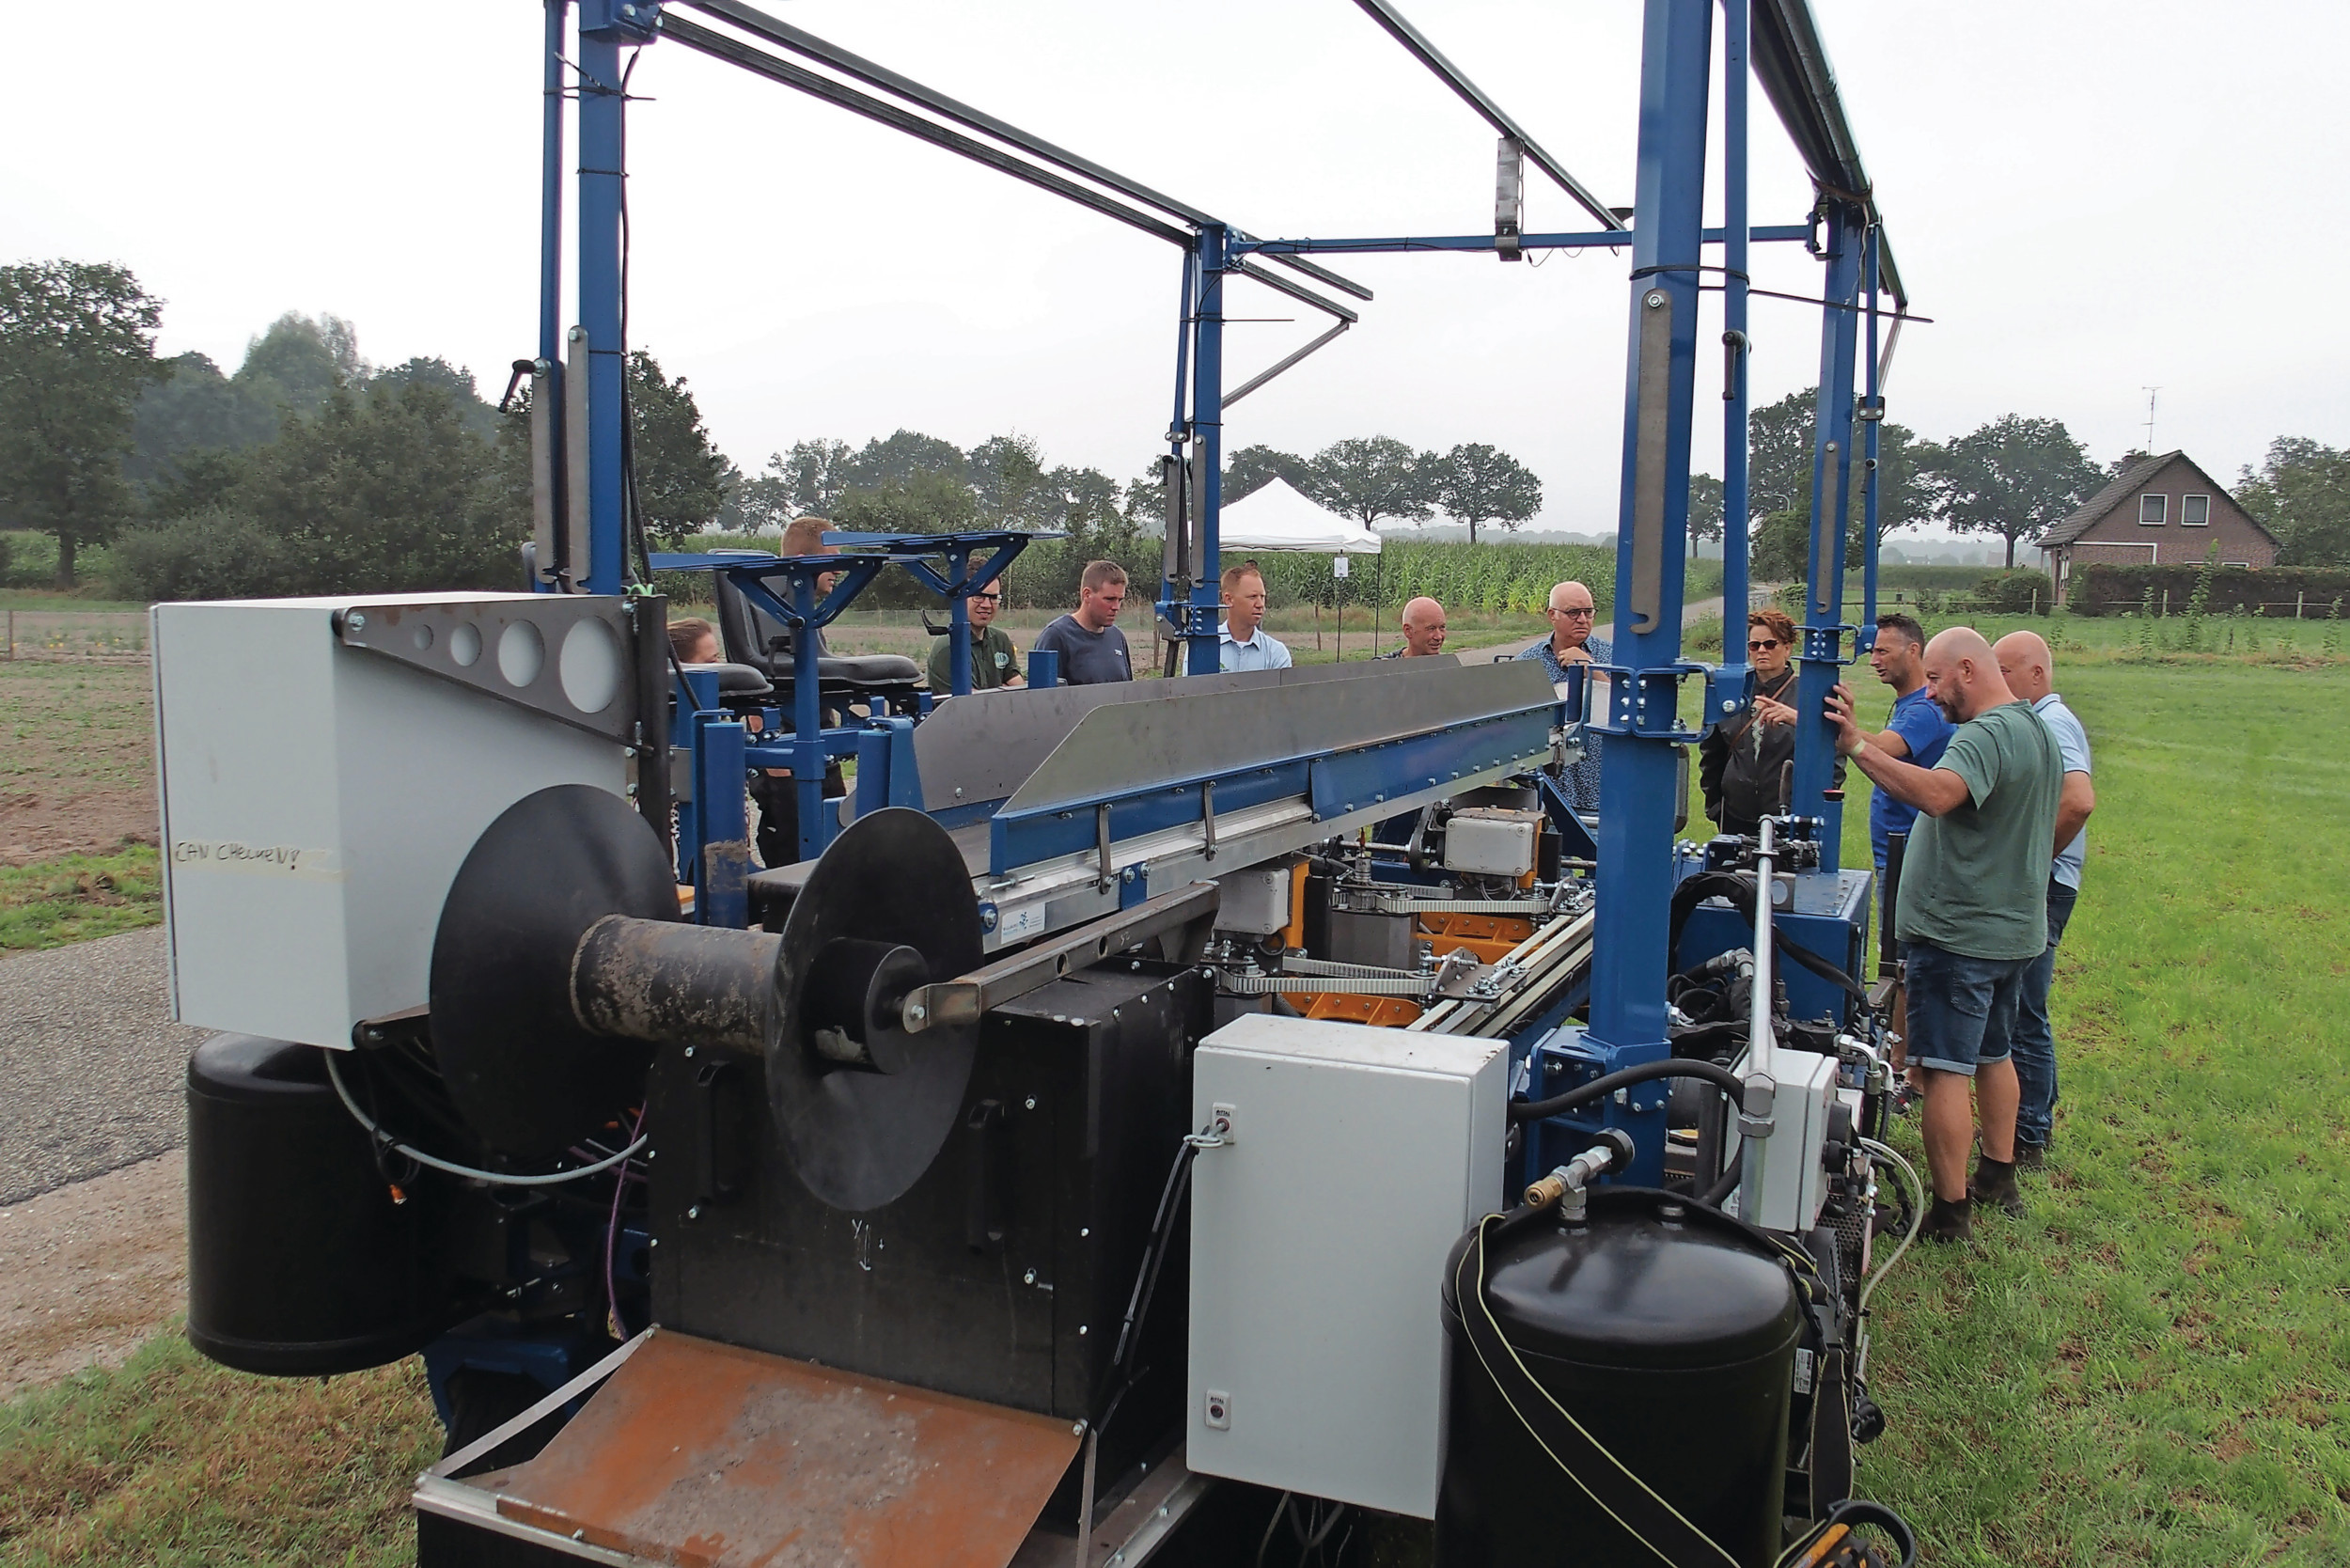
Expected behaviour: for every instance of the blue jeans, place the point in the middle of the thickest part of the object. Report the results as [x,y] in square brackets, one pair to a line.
[1962,1010]
[2034,1045]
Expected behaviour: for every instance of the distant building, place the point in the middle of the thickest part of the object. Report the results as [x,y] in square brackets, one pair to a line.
[2158,511]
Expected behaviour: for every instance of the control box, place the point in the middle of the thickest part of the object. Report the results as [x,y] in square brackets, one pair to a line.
[1493,840]
[1351,1160]
[317,799]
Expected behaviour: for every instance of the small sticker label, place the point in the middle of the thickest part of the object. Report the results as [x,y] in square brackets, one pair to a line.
[1019,922]
[235,854]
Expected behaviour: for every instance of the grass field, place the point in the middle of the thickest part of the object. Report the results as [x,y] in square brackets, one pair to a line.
[79,897]
[2154,1368]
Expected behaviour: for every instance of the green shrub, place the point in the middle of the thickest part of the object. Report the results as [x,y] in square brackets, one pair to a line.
[2017,591]
[213,555]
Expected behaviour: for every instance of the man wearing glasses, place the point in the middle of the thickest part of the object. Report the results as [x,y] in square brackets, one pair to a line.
[1571,616]
[994,660]
[1742,766]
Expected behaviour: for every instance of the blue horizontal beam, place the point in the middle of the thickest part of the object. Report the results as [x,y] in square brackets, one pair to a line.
[1609,239]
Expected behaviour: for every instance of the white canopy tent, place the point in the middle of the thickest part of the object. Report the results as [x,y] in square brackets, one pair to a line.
[1277,517]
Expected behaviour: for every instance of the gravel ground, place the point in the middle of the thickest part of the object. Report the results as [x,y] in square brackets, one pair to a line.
[94,1067]
[89,1271]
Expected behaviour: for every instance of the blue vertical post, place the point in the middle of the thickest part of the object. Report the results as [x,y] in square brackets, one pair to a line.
[1207,420]
[808,721]
[600,147]
[1637,770]
[551,193]
[1735,489]
[1822,654]
[957,626]
[1872,412]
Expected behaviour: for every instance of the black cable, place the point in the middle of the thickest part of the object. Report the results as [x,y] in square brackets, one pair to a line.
[1713,1196]
[1146,1280]
[1599,1089]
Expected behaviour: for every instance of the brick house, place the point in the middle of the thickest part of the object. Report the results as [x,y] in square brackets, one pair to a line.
[2158,511]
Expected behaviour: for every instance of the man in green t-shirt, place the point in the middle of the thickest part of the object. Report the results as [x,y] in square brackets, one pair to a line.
[994,660]
[1972,911]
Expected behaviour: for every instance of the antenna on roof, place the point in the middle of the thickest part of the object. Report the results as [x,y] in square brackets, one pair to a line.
[2149,392]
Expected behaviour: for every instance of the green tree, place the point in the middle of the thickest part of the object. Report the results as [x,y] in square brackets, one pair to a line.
[2016,478]
[300,362]
[1705,507]
[1008,481]
[2301,493]
[1780,439]
[390,490]
[77,348]
[193,408]
[817,473]
[1374,477]
[1252,468]
[926,503]
[456,380]
[757,502]
[1475,483]
[1780,549]
[680,478]
[900,455]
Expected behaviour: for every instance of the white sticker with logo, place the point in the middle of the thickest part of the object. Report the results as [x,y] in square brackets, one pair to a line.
[1017,923]
[274,860]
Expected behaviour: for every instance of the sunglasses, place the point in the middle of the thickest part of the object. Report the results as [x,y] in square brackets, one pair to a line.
[1584,614]
[1759,647]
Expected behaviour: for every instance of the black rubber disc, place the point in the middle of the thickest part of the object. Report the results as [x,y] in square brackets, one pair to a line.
[525,1077]
[859,1139]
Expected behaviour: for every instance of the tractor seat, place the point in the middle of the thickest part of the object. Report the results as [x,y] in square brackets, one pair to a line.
[864,669]
[738,684]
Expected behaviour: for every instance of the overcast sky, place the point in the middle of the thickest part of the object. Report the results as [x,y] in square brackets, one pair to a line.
[2088,198]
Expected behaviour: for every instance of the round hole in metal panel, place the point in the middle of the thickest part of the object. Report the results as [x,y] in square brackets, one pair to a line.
[522,654]
[589,666]
[464,644]
[423,635]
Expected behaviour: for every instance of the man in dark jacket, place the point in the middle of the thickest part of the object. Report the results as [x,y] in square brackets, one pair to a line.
[1741,764]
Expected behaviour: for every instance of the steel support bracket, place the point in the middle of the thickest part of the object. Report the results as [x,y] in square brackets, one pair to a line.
[621,21]
[1826,644]
[1646,702]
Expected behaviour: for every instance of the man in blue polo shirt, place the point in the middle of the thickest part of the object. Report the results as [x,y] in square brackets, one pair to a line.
[2025,661]
[1244,642]
[1571,616]
[1916,731]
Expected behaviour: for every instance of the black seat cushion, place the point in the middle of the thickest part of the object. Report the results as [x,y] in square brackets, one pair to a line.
[738,680]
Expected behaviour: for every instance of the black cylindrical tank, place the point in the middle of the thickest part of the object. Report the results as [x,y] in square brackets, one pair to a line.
[299,1262]
[1670,1333]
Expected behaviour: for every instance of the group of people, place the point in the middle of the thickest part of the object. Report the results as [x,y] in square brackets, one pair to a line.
[1989,774]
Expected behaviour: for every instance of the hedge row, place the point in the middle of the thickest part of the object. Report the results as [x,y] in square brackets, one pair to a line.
[2276,590]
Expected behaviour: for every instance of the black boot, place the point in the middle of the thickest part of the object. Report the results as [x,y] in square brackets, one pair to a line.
[1949,1220]
[1994,1183]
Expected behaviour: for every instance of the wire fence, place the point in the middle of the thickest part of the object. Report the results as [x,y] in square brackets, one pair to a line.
[75,636]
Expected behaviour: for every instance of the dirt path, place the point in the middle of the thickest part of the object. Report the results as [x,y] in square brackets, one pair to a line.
[89,1272]
[77,772]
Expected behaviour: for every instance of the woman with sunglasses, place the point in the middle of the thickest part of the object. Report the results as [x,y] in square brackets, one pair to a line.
[1742,763]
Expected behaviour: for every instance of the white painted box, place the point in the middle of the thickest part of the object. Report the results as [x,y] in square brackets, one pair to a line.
[1357,1157]
[316,802]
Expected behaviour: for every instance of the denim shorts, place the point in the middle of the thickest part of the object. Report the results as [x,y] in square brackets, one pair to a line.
[1962,1010]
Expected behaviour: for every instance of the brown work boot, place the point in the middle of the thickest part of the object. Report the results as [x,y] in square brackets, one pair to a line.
[1994,1183]
[1949,1221]
[2031,1157]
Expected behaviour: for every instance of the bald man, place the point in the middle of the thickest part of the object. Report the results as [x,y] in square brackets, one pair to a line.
[2030,674]
[1423,631]
[1572,614]
[1973,913]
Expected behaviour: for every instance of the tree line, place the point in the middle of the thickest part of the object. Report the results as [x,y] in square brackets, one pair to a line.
[309,470]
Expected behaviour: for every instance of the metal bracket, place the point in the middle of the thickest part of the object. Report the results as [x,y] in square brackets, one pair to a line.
[564,655]
[1620,701]
[965,998]
[1821,643]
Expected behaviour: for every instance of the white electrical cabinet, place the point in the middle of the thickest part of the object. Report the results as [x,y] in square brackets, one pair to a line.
[318,798]
[1791,1173]
[1355,1158]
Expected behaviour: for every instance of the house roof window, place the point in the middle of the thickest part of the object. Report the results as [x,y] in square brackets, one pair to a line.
[2194,511]
[2153,511]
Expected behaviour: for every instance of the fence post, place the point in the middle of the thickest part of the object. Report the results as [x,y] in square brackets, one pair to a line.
[2166,604]
[2298,595]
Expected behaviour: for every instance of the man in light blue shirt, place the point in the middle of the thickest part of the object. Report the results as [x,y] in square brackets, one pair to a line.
[1573,615]
[2025,659]
[1244,642]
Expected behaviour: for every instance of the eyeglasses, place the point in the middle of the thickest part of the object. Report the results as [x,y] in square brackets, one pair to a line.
[1759,647]
[1584,614]
[986,598]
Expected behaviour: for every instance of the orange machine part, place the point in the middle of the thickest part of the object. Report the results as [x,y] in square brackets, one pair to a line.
[702,1455]
[1488,936]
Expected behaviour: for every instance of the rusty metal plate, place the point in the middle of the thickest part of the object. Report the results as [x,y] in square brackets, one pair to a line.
[703,1455]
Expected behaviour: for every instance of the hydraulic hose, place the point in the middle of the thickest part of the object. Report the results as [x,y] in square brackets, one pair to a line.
[1647,1071]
